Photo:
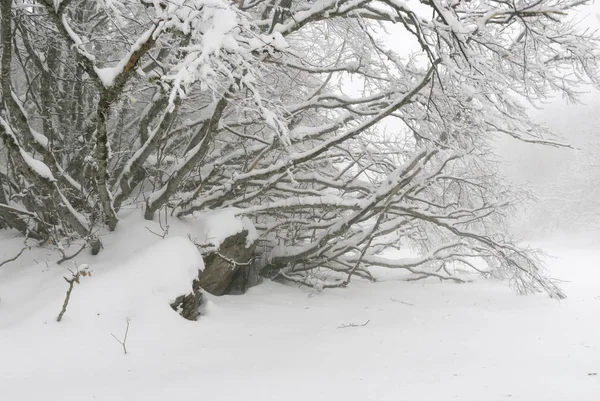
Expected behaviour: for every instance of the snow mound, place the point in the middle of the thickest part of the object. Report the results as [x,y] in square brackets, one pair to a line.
[139,285]
[143,286]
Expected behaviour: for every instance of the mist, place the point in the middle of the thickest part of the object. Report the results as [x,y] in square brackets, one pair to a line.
[562,180]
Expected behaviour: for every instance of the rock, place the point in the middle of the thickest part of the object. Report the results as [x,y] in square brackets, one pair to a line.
[247,276]
[188,305]
[220,267]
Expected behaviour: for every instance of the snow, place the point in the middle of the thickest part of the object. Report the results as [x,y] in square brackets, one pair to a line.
[425,340]
[76,39]
[276,40]
[213,29]
[38,166]
[109,74]
[218,225]
[40,138]
[304,202]
[450,19]
[83,221]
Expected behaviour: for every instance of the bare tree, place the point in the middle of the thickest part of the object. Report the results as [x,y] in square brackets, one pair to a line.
[200,106]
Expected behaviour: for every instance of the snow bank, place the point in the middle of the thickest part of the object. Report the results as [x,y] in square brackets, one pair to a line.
[139,289]
[144,286]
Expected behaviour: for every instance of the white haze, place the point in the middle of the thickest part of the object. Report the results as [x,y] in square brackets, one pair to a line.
[551,172]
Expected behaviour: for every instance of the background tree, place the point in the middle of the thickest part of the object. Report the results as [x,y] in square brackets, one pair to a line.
[195,105]
[569,201]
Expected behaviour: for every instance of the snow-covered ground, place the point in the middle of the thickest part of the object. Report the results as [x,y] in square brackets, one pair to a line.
[391,340]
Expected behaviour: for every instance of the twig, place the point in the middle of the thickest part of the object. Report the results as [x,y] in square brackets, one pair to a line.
[416,278]
[164,234]
[203,248]
[165,228]
[233,262]
[343,326]
[424,275]
[64,307]
[124,342]
[74,279]
[14,258]
[65,257]
[401,302]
